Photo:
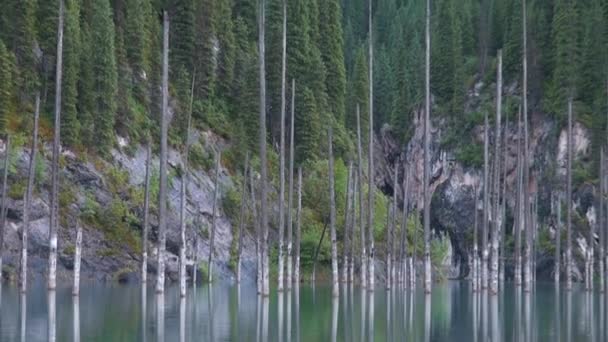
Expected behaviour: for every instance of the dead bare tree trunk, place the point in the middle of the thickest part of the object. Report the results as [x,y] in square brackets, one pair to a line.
[262,138]
[392,257]
[558,240]
[332,218]
[351,251]
[475,271]
[258,231]
[3,210]
[503,211]
[370,164]
[519,207]
[363,275]
[601,221]
[242,221]
[144,240]
[526,182]
[162,192]
[569,202]
[31,176]
[77,258]
[427,155]
[347,223]
[218,158]
[281,264]
[54,219]
[296,268]
[290,191]
[183,202]
[486,206]
[404,212]
[497,138]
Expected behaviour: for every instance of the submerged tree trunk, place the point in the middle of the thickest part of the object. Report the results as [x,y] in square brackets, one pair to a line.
[558,239]
[296,268]
[486,206]
[183,203]
[262,139]
[239,253]
[31,176]
[475,271]
[281,264]
[144,239]
[519,207]
[427,155]
[370,163]
[353,216]
[3,209]
[218,158]
[497,214]
[601,221]
[332,218]
[569,201]
[162,193]
[54,219]
[403,245]
[258,233]
[77,258]
[347,223]
[363,275]
[289,279]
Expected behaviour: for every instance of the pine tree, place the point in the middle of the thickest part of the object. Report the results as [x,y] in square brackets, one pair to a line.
[103,62]
[6,85]
[71,59]
[204,55]
[384,85]
[86,82]
[24,44]
[137,33]
[182,35]
[226,40]
[360,94]
[307,119]
[442,71]
[274,55]
[332,52]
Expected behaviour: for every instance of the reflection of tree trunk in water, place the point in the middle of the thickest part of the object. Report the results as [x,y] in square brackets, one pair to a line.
[160,317]
[389,330]
[568,316]
[335,305]
[558,315]
[76,318]
[296,294]
[314,264]
[258,318]
[182,319]
[288,314]
[52,316]
[475,315]
[591,318]
[370,318]
[265,302]
[496,335]
[527,316]
[280,313]
[144,312]
[211,312]
[362,324]
[484,315]
[427,318]
[23,305]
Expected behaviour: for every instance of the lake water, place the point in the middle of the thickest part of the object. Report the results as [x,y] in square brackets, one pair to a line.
[225,313]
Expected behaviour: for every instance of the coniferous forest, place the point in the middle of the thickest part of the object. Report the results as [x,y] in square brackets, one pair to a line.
[397,144]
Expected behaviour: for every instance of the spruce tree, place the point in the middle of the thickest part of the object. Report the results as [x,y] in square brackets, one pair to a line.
[204,48]
[102,61]
[182,35]
[24,44]
[307,119]
[331,46]
[137,33]
[360,94]
[226,40]
[86,83]
[6,84]
[71,68]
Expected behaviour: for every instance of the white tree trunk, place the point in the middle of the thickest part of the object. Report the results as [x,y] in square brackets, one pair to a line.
[370,203]
[77,258]
[3,205]
[262,140]
[569,202]
[404,214]
[558,237]
[218,158]
[258,234]
[31,176]
[54,219]
[497,138]
[281,264]
[427,155]
[347,224]
[332,219]
[363,275]
[601,221]
[351,252]
[289,278]
[144,240]
[486,207]
[296,268]
[162,193]
[242,221]
[519,207]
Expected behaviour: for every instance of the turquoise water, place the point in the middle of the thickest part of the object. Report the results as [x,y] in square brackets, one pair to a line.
[227,313]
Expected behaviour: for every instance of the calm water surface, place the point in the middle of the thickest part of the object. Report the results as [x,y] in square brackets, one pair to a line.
[225,313]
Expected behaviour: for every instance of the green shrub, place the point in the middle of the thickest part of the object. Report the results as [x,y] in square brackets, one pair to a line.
[203,271]
[17,189]
[69,250]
